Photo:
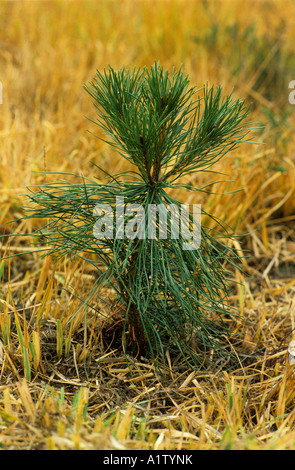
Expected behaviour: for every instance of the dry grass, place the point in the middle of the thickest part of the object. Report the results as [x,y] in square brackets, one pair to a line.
[64,382]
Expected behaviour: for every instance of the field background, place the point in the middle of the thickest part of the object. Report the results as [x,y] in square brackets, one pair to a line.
[63,385]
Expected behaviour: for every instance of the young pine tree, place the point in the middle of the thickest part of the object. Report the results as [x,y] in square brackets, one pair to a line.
[168,297]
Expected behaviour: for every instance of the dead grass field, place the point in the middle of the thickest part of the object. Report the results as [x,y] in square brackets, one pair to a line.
[65,384]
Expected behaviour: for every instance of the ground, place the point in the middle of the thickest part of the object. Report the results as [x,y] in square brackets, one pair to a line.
[65,382]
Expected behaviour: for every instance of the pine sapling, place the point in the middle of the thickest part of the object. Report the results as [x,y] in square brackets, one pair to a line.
[168,273]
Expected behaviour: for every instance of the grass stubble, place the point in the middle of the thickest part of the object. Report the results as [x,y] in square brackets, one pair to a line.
[64,380]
